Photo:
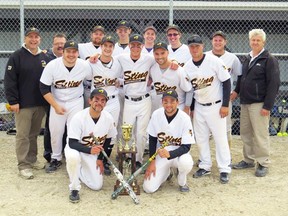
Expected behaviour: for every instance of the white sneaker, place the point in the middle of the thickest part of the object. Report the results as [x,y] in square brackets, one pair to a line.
[26,174]
[38,166]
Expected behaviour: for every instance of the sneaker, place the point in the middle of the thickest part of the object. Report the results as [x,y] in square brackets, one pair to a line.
[224,178]
[184,188]
[261,171]
[38,166]
[201,173]
[26,174]
[74,196]
[107,170]
[243,165]
[53,166]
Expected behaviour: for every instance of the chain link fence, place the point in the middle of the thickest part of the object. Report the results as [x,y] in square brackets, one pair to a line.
[77,18]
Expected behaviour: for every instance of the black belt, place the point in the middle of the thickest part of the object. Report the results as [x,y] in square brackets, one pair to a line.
[137,98]
[209,104]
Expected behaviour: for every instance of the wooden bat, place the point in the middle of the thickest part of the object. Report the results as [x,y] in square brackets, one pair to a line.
[119,175]
[115,194]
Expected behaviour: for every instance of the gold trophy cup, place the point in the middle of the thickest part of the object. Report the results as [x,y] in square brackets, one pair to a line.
[127,167]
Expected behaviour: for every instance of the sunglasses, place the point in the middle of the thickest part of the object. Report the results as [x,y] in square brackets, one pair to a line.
[174,34]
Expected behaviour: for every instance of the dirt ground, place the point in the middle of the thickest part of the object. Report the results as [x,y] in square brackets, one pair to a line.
[47,194]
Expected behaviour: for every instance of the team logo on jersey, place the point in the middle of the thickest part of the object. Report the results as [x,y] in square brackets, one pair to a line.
[43,63]
[90,142]
[62,84]
[162,137]
[202,82]
[160,88]
[133,77]
[100,81]
[9,67]
[181,64]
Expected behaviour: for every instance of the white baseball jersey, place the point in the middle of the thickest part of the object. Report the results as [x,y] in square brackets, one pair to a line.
[82,125]
[118,50]
[65,85]
[88,49]
[233,65]
[182,54]
[145,51]
[170,79]
[178,131]
[207,79]
[136,74]
[105,76]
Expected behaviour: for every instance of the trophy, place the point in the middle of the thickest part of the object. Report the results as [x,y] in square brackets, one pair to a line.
[127,166]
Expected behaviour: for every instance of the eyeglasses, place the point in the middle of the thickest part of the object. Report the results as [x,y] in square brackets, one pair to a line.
[173,34]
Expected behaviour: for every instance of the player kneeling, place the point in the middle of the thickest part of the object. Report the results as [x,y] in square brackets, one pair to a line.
[82,153]
[169,124]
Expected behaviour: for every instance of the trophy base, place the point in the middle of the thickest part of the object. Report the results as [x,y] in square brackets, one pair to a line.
[134,185]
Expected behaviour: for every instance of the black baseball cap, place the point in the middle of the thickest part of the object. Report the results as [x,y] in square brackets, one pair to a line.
[136,38]
[170,93]
[150,27]
[176,27]
[160,45]
[98,28]
[99,91]
[108,38]
[32,30]
[124,24]
[219,33]
[71,45]
[194,39]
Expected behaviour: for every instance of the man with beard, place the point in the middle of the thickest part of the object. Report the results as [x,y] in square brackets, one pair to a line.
[88,49]
[83,155]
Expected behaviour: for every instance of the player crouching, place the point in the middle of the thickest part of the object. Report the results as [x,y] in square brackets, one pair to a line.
[82,153]
[169,124]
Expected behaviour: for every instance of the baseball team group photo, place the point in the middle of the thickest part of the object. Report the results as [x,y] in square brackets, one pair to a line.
[133,122]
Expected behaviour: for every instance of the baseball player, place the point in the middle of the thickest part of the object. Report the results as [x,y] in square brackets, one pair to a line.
[149,35]
[106,71]
[211,83]
[169,124]
[164,78]
[233,65]
[123,31]
[61,85]
[177,50]
[137,105]
[83,157]
[56,51]
[88,49]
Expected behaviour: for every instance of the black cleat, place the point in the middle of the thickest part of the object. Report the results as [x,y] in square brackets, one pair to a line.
[74,196]
[201,173]
[53,166]
[224,178]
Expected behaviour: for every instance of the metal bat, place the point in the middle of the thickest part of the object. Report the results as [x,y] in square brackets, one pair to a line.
[137,172]
[119,175]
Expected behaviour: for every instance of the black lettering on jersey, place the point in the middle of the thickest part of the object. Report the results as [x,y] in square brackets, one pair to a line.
[133,77]
[181,64]
[162,137]
[62,84]
[99,81]
[160,88]
[89,141]
[201,83]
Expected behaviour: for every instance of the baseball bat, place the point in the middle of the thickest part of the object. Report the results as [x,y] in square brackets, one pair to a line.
[119,175]
[137,172]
